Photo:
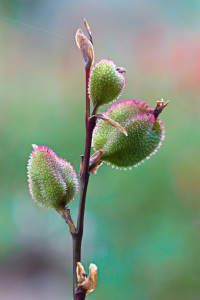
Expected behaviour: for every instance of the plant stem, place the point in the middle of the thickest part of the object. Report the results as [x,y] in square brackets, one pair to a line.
[80,295]
[77,236]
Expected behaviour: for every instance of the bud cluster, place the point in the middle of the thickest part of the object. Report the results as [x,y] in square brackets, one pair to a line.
[124,136]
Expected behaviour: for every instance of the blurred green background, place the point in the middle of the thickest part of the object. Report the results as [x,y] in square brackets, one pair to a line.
[142,226]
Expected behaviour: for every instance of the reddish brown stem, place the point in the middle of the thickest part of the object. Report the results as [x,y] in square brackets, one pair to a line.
[77,236]
[80,295]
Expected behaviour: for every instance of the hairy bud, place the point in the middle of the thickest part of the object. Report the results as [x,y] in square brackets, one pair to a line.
[145,134]
[52,180]
[106,83]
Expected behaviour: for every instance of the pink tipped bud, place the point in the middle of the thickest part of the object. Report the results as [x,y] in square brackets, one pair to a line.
[52,180]
[144,134]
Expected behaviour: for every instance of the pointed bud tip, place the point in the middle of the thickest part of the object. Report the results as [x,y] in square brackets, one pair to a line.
[160,105]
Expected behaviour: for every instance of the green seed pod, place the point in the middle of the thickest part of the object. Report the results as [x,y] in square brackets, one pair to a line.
[106,83]
[52,180]
[145,134]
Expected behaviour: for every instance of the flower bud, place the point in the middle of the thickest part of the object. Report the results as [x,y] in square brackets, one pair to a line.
[52,180]
[144,129]
[106,83]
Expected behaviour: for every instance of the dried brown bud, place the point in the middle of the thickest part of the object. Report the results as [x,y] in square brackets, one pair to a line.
[160,105]
[90,283]
[81,166]
[85,47]
[88,30]
[80,273]
[95,161]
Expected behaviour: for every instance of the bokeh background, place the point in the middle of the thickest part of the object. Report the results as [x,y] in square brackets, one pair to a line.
[142,226]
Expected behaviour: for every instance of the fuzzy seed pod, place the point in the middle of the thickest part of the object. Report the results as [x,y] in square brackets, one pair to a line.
[145,134]
[52,180]
[106,83]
